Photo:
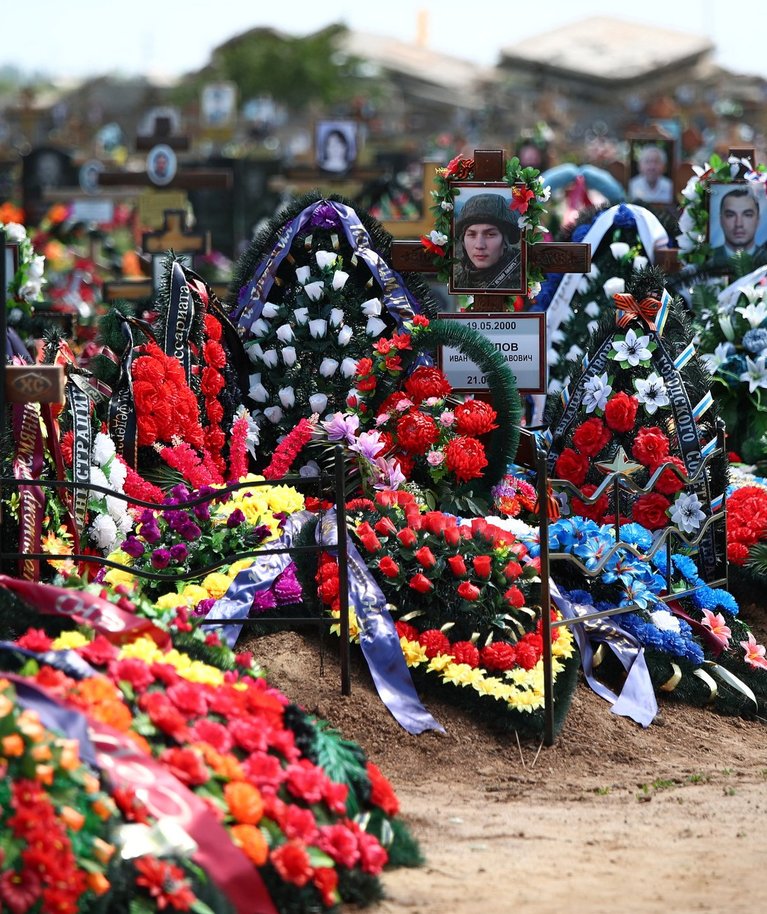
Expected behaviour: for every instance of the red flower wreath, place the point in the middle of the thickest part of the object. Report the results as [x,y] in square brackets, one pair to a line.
[165,406]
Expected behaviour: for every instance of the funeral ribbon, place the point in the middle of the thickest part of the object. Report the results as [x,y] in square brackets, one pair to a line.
[686,425]
[84,608]
[327,214]
[637,697]
[378,637]
[651,234]
[80,409]
[122,410]
[28,463]
[164,796]
[178,320]
[238,599]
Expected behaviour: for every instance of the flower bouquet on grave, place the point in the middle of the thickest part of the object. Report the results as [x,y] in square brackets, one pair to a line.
[732,338]
[404,424]
[697,647]
[746,534]
[462,598]
[175,410]
[239,758]
[314,294]
[631,410]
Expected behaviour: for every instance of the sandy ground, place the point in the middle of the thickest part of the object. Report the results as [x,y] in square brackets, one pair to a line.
[612,818]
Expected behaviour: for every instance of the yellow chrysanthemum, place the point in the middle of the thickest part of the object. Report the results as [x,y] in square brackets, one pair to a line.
[193,593]
[459,673]
[117,576]
[413,651]
[69,640]
[170,601]
[439,662]
[216,584]
[285,500]
[142,649]
[239,566]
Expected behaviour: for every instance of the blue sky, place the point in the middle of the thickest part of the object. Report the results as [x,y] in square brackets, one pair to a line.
[85,37]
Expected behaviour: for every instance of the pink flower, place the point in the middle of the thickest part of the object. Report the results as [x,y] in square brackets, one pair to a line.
[447,419]
[435,458]
[716,624]
[754,653]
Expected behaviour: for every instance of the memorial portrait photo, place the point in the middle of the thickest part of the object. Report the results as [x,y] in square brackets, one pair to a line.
[335,145]
[487,242]
[737,220]
[651,168]
[161,164]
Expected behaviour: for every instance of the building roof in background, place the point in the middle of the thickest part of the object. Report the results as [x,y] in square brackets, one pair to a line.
[443,78]
[603,48]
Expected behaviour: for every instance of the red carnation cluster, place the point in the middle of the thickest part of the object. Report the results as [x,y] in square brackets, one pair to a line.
[746,521]
[212,383]
[165,406]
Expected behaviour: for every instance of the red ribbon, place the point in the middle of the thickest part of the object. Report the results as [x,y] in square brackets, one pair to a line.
[645,309]
[84,608]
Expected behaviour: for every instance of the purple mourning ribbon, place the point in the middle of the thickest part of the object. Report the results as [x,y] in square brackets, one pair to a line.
[14,347]
[261,575]
[637,697]
[325,214]
[378,637]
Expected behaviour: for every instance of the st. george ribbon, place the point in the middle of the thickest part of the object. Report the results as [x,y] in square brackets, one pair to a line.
[378,638]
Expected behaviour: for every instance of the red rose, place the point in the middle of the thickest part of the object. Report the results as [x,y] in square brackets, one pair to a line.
[425,557]
[498,656]
[385,527]
[434,522]
[595,512]
[591,436]
[468,591]
[427,382]
[465,652]
[416,432]
[512,570]
[366,384]
[572,466]
[650,446]
[388,567]
[434,642]
[381,791]
[514,597]
[420,583]
[457,565]
[475,417]
[370,542]
[186,765]
[407,537]
[650,511]
[668,482]
[483,565]
[364,366]
[465,458]
[621,412]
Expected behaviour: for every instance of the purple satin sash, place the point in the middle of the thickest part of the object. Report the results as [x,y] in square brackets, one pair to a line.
[378,638]
[637,697]
[325,214]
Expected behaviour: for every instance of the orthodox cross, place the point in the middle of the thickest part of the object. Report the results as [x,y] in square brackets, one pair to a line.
[551,257]
[173,236]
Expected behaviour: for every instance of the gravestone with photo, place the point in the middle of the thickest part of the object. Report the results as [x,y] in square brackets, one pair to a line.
[502,191]
[45,169]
